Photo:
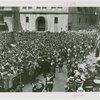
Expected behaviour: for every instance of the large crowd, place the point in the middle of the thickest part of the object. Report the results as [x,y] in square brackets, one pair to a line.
[35,53]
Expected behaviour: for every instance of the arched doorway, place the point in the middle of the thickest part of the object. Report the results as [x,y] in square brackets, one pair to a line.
[40,24]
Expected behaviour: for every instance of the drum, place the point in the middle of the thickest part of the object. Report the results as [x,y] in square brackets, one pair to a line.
[97,84]
[89,88]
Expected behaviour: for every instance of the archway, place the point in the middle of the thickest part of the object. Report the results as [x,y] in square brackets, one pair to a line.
[40,24]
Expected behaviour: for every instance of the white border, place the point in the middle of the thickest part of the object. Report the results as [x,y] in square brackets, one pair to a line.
[51,96]
[54,95]
[64,3]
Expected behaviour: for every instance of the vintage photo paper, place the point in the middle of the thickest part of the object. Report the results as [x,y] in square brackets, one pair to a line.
[50,47]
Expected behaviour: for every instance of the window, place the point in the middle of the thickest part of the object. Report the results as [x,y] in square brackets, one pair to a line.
[59,7]
[29,7]
[1,7]
[56,20]
[24,7]
[1,18]
[53,7]
[79,9]
[38,7]
[69,27]
[86,9]
[79,20]
[27,19]
[44,7]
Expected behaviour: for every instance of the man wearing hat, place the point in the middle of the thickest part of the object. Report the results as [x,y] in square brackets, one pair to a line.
[88,84]
[19,87]
[98,65]
[70,83]
[78,83]
[45,65]
[38,86]
[60,64]
[49,82]
[80,89]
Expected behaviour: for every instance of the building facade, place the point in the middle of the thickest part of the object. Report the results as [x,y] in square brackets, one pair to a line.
[81,17]
[6,19]
[53,19]
[44,18]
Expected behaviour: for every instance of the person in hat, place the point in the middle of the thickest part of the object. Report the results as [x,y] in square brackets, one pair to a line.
[38,86]
[60,64]
[76,73]
[97,65]
[66,88]
[80,89]
[19,87]
[45,67]
[70,84]
[1,84]
[34,87]
[49,83]
[78,82]
[88,84]
[53,66]
[31,72]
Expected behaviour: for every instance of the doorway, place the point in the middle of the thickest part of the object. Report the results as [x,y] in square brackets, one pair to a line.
[40,24]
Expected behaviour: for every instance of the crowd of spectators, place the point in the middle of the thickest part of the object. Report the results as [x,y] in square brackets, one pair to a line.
[35,53]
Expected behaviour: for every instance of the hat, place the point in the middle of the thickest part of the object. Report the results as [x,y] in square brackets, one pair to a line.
[96,80]
[65,86]
[78,80]
[80,89]
[98,59]
[97,65]
[71,78]
[88,87]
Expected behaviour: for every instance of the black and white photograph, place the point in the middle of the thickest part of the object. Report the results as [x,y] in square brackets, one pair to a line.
[49,49]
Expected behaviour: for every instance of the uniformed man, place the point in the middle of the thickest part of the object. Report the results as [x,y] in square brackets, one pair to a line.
[49,83]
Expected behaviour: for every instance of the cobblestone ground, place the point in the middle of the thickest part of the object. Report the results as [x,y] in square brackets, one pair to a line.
[60,77]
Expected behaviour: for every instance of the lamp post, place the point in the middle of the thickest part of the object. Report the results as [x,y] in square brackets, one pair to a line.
[98,23]
[97,14]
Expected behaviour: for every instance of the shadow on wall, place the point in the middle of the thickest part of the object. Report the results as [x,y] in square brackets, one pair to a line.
[17,24]
[4,26]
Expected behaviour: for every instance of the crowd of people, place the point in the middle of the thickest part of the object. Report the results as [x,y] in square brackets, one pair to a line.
[36,53]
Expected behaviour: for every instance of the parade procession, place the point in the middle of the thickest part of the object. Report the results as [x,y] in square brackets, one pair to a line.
[45,61]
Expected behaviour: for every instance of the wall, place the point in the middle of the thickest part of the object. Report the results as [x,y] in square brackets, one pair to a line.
[9,21]
[50,26]
[85,19]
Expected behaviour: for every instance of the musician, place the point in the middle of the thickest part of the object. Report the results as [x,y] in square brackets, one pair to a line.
[49,82]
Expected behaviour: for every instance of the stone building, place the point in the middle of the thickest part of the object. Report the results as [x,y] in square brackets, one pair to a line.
[6,19]
[81,17]
[44,18]
[54,19]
